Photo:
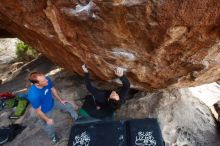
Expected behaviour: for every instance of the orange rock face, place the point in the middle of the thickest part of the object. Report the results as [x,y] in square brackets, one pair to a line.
[163,43]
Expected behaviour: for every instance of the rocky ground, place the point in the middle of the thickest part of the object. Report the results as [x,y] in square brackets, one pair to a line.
[184,119]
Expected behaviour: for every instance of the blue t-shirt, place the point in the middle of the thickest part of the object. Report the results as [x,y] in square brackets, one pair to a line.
[41,97]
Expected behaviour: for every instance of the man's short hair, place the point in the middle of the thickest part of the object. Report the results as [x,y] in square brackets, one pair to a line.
[33,76]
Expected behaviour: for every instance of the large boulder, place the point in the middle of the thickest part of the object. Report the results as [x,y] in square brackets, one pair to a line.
[163,43]
[184,119]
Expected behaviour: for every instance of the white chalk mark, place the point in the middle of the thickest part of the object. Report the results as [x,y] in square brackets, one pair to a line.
[81,140]
[122,53]
[145,139]
[80,8]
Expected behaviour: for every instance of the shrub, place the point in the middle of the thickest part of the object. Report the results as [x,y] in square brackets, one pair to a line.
[25,52]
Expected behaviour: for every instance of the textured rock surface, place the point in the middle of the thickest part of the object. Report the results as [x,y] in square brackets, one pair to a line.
[210,95]
[7,50]
[163,43]
[7,55]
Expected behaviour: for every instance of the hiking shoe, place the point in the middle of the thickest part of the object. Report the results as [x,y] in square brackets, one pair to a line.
[54,140]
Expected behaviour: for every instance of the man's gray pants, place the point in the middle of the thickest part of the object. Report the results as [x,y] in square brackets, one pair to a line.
[50,129]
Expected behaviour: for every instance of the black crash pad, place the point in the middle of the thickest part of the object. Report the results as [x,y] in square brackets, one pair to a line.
[138,132]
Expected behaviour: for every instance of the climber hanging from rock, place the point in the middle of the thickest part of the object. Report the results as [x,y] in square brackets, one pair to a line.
[101,104]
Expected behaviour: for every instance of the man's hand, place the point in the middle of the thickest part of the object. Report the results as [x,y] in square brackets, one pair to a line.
[119,71]
[85,69]
[63,101]
[50,122]
[44,117]
[57,95]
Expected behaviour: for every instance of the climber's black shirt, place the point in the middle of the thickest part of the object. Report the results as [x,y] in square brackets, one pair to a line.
[99,98]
